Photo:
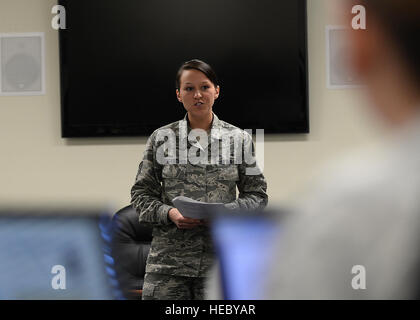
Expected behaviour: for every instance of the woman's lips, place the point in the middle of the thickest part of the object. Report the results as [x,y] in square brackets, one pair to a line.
[198,104]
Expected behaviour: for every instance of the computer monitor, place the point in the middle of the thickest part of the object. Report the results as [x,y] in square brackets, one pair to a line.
[244,246]
[55,254]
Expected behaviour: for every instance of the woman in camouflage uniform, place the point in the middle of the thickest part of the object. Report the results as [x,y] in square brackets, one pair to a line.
[181,251]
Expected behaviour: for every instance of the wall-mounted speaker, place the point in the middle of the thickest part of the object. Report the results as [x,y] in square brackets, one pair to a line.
[22,64]
[340,75]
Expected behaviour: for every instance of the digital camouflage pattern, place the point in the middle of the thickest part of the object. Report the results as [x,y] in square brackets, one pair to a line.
[189,252]
[168,287]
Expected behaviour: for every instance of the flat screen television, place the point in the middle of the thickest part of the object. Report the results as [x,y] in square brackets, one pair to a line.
[118,61]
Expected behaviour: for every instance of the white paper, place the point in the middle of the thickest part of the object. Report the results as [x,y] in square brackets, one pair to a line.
[191,208]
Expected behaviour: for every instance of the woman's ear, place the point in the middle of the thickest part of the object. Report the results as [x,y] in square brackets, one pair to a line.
[217,92]
[178,95]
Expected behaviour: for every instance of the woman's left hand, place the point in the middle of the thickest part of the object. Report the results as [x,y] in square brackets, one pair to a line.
[181,221]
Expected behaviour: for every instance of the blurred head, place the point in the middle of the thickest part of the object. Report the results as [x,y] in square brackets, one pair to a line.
[386,57]
[197,88]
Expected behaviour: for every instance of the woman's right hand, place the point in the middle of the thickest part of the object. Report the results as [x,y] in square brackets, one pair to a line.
[183,222]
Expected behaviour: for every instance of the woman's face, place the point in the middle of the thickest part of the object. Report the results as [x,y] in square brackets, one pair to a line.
[197,93]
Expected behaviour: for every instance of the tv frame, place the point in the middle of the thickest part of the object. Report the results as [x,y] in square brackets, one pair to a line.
[77,131]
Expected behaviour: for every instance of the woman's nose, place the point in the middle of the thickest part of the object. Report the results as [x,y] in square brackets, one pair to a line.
[197,94]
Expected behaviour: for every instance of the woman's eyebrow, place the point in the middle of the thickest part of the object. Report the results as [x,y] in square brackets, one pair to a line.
[203,82]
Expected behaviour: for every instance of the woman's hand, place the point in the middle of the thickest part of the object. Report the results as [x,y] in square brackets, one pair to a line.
[183,222]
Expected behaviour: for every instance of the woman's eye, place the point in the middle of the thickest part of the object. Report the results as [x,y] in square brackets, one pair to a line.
[188,88]
[205,87]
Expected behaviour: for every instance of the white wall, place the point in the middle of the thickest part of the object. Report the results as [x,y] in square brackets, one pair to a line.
[37,166]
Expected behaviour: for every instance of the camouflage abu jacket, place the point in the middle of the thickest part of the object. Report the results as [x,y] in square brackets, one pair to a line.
[171,167]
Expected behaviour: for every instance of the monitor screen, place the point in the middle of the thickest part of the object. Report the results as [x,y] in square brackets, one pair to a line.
[244,245]
[53,256]
[118,62]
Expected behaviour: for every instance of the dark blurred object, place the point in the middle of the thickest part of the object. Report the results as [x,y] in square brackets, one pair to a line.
[130,248]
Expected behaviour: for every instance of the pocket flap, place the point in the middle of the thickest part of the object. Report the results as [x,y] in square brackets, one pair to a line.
[228,173]
[173,171]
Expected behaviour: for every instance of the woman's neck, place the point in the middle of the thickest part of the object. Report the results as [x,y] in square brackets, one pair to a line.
[201,123]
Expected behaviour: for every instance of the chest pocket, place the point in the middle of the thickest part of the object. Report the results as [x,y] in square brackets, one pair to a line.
[222,173]
[173,178]
[227,173]
[173,171]
[221,183]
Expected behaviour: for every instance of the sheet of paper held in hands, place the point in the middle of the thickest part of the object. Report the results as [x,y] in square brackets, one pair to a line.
[195,209]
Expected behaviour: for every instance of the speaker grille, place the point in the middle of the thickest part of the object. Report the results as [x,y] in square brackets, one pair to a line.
[21,58]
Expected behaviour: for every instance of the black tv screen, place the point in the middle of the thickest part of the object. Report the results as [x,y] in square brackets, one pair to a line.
[118,61]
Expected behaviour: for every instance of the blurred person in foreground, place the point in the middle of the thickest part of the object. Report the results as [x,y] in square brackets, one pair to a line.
[366,212]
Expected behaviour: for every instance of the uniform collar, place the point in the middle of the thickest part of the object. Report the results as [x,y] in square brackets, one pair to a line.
[216,126]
